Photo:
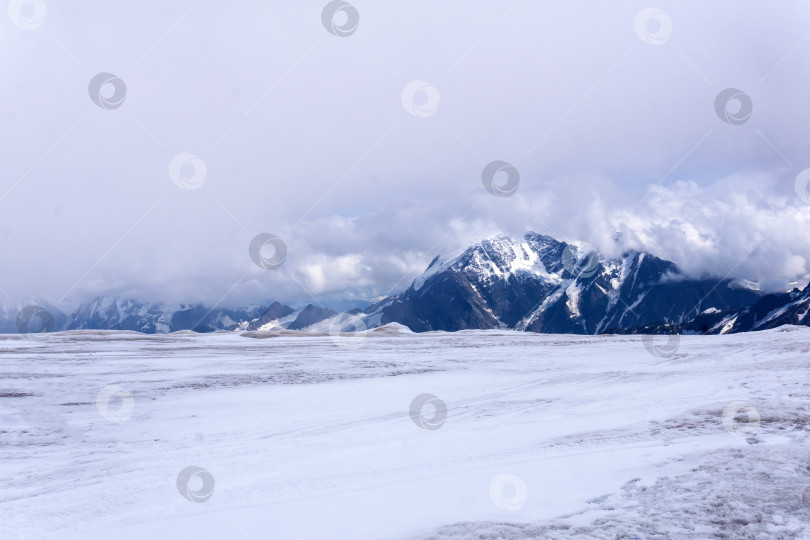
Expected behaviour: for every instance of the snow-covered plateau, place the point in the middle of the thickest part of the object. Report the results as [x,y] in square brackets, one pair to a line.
[390,435]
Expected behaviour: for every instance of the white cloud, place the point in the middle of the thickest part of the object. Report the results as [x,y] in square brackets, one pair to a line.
[304,135]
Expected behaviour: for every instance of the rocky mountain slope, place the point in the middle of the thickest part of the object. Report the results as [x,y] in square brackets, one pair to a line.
[539,284]
[770,311]
[535,284]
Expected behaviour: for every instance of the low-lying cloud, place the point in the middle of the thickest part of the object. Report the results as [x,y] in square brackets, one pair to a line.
[288,128]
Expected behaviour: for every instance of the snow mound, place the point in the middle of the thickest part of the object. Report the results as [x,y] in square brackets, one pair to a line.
[392,328]
[280,332]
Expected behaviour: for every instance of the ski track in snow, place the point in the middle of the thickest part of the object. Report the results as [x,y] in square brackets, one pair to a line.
[308,440]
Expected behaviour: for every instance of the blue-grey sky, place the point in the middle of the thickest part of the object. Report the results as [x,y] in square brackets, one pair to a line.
[606,110]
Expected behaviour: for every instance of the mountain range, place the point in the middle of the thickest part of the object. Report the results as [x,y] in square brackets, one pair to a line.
[535,283]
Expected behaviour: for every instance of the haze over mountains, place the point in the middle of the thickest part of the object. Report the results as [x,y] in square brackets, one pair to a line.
[535,283]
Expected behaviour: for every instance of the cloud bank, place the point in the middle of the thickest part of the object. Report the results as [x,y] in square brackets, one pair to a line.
[365,151]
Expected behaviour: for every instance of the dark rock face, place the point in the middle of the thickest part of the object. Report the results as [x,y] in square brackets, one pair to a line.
[274,312]
[125,314]
[309,316]
[776,310]
[191,318]
[539,284]
[770,311]
[114,313]
[117,314]
[13,317]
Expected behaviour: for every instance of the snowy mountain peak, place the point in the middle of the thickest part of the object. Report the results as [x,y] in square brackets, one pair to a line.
[538,283]
[499,257]
[535,283]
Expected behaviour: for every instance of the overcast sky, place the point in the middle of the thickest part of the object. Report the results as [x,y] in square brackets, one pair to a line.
[320,136]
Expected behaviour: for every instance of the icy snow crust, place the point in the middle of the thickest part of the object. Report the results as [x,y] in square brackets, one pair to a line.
[306,439]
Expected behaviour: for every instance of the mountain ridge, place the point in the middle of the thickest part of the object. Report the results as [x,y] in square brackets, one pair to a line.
[534,283]
[543,285]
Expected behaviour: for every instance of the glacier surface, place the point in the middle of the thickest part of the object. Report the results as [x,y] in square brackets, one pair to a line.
[313,437]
